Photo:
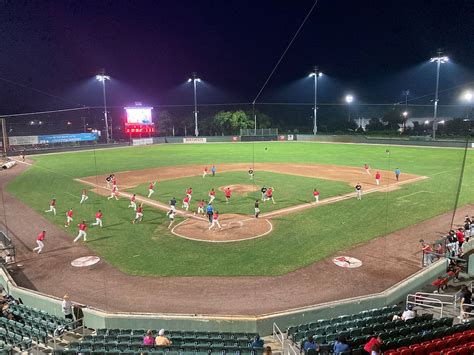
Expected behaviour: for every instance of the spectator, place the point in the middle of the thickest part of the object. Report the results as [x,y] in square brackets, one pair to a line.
[409,313]
[460,237]
[310,344]
[466,300]
[267,350]
[149,340]
[67,307]
[427,253]
[161,340]
[375,350]
[373,341]
[341,345]
[467,229]
[257,342]
[452,242]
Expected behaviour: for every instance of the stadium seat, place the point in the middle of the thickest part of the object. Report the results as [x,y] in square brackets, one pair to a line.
[441,344]
[418,350]
[406,352]
[464,350]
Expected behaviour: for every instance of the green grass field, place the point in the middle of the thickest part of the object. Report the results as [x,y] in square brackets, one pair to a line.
[289,190]
[297,240]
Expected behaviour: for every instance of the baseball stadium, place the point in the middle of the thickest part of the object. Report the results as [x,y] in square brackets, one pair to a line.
[239,228]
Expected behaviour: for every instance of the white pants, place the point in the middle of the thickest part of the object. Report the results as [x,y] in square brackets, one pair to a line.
[133,205]
[68,219]
[190,197]
[204,174]
[214,222]
[51,209]
[108,184]
[359,194]
[316,198]
[39,247]
[200,210]
[251,176]
[81,234]
[98,222]
[138,216]
[185,205]
[377,181]
[84,198]
[368,171]
[112,195]
[173,207]
[211,198]
[150,192]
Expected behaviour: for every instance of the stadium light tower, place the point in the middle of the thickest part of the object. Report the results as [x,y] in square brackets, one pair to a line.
[440,59]
[315,74]
[349,99]
[103,78]
[194,79]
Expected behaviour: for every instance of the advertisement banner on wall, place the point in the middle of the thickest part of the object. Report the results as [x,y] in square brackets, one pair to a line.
[282,138]
[142,141]
[235,139]
[64,138]
[290,137]
[23,140]
[194,140]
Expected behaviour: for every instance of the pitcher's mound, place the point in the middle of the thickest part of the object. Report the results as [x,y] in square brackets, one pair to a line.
[234,228]
[241,189]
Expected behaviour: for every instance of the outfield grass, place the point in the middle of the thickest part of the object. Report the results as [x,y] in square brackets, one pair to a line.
[297,240]
[289,190]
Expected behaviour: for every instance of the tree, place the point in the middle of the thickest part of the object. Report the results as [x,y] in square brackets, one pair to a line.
[374,125]
[230,122]
[393,119]
[165,123]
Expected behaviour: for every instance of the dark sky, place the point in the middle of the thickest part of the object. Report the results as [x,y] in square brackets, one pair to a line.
[374,48]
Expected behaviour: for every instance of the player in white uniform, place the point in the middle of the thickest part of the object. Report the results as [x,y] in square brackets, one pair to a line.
[171,213]
[84,196]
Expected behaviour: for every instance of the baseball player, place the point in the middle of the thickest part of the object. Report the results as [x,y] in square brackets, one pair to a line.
[204,172]
[228,193]
[173,203]
[139,214]
[84,196]
[215,220]
[39,241]
[114,181]
[263,190]
[52,206]
[251,173]
[397,174]
[316,195]
[213,170]
[377,177]
[367,168]
[82,232]
[108,180]
[98,219]
[113,193]
[171,214]
[210,212]
[212,196]
[358,189]
[270,194]
[133,204]
[185,203]
[150,189]
[189,193]
[200,209]
[68,217]
[257,209]
[22,156]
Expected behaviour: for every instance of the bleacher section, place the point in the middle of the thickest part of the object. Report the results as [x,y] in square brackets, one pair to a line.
[128,341]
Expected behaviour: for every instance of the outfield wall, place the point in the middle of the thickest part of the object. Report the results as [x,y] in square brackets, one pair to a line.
[94,318]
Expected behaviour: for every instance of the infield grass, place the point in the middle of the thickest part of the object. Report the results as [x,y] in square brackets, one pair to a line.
[297,240]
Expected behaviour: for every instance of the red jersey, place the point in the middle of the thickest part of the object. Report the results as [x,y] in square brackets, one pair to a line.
[53,203]
[82,226]
[150,187]
[427,249]
[377,176]
[41,236]
[139,209]
[69,213]
[227,192]
[205,169]
[84,192]
[114,189]
[366,166]
[98,215]
[215,216]
[132,198]
[186,199]
[460,236]
[212,193]
[315,193]
[189,191]
[201,204]
[114,181]
[269,192]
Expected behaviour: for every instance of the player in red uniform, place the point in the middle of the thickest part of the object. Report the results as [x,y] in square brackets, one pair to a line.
[82,231]
[215,220]
[228,193]
[189,193]
[139,214]
[200,209]
[114,181]
[316,195]
[39,241]
[186,203]
[98,218]
[84,196]
[132,202]
[377,177]
[52,206]
[114,193]
[68,217]
[212,195]
[204,172]
[150,189]
[367,168]
[270,191]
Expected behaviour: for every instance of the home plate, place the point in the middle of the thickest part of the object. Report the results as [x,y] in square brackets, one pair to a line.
[85,261]
[347,262]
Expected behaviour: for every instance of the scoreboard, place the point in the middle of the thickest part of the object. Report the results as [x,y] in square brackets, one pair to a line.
[139,121]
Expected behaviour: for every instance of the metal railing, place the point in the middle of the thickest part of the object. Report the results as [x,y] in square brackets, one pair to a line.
[425,302]
[259,132]
[278,335]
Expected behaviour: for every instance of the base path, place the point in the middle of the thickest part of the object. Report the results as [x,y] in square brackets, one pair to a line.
[386,261]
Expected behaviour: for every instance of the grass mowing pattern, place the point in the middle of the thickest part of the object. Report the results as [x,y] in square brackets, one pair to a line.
[298,239]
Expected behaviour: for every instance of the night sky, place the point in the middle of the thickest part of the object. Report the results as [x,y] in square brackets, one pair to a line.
[375,49]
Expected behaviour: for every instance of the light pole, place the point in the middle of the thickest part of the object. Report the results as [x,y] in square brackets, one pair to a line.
[349,99]
[439,60]
[103,78]
[195,80]
[316,74]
